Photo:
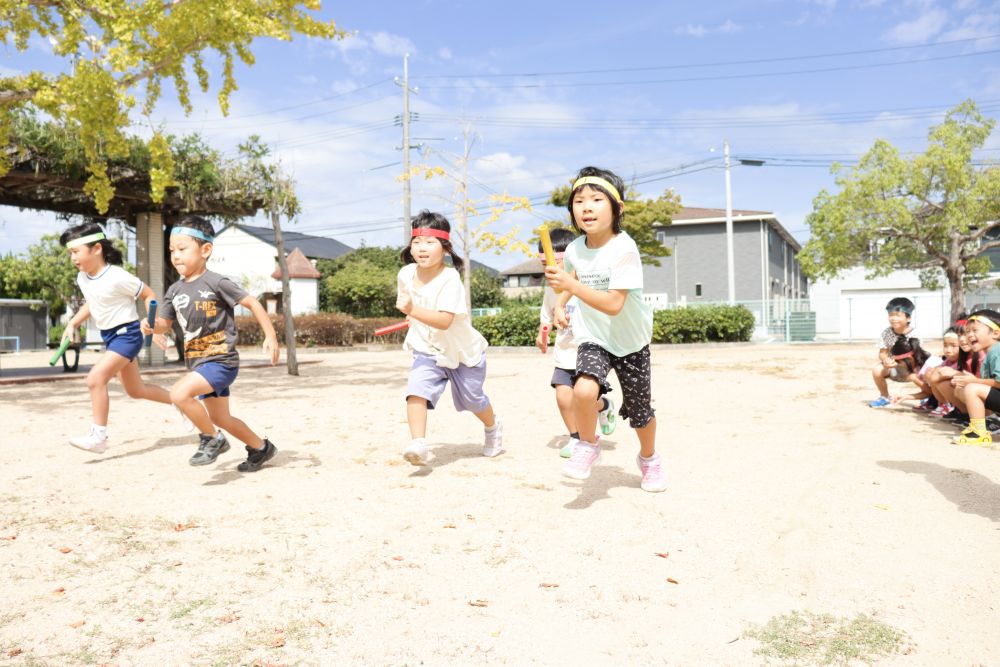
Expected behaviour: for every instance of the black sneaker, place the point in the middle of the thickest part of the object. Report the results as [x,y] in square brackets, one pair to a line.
[209,449]
[258,457]
[956,415]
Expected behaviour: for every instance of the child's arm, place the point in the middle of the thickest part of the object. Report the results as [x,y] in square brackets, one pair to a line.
[886,358]
[79,317]
[965,378]
[436,319]
[270,337]
[162,325]
[609,303]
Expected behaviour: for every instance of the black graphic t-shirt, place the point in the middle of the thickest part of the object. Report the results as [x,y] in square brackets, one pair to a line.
[204,307]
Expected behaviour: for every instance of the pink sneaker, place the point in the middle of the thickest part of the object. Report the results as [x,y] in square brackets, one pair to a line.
[941,410]
[653,479]
[584,457]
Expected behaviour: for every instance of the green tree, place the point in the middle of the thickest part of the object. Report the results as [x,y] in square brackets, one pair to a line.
[642,217]
[936,212]
[486,289]
[360,283]
[111,47]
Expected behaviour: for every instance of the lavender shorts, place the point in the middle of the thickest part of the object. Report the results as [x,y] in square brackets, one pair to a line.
[427,380]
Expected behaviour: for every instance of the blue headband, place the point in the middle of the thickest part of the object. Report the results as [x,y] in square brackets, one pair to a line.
[190,231]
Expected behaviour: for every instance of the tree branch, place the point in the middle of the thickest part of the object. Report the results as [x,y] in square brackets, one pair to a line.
[8,97]
[983,230]
[927,245]
[986,246]
[194,46]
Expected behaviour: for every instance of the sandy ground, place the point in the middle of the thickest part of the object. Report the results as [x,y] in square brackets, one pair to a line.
[786,493]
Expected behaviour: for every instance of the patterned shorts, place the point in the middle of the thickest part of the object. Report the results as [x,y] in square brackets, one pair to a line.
[633,373]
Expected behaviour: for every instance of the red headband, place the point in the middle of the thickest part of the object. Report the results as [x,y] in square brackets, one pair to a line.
[897,357]
[427,231]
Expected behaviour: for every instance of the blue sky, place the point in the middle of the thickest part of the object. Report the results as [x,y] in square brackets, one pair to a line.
[638,87]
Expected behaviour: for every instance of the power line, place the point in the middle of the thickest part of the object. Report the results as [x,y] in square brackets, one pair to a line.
[724,77]
[722,63]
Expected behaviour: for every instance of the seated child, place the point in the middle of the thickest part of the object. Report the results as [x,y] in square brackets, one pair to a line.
[981,394]
[899,311]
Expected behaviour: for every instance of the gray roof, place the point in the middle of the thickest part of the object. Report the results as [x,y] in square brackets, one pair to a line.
[313,247]
[529,267]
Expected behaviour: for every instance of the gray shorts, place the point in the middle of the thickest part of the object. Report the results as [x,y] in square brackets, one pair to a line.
[428,380]
[562,376]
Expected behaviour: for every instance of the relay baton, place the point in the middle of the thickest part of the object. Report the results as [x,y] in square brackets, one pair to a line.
[545,338]
[550,257]
[151,318]
[398,326]
[61,351]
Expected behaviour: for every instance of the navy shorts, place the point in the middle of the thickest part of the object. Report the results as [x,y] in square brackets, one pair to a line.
[992,401]
[219,376]
[125,340]
[562,376]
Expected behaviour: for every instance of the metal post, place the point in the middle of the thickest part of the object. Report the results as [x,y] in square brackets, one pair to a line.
[676,283]
[405,121]
[730,262]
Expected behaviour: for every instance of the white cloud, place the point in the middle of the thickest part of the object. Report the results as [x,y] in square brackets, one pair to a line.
[387,44]
[727,27]
[976,25]
[920,29]
[444,53]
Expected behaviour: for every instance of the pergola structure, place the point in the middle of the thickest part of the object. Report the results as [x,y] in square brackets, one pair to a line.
[27,187]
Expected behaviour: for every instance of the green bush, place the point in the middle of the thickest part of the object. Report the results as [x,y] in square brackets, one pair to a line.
[517,326]
[322,329]
[701,324]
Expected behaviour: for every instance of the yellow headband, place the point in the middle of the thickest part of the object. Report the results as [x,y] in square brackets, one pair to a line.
[597,180]
[985,320]
[84,240]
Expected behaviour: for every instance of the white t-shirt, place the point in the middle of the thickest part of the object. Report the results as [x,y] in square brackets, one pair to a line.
[459,343]
[111,295]
[564,350]
[614,266]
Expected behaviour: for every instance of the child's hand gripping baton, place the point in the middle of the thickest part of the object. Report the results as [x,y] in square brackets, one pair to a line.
[61,351]
[398,326]
[550,256]
[151,319]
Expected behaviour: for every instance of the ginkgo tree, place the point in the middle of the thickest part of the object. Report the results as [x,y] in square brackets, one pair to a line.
[112,48]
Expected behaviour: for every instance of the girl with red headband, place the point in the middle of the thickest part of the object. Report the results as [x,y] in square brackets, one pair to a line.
[445,346]
[613,324]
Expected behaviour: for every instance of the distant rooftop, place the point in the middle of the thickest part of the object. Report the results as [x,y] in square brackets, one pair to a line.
[313,247]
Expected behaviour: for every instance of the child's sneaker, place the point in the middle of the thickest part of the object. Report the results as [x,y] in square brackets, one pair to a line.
[653,479]
[209,449]
[96,442]
[493,442]
[607,418]
[972,437]
[416,453]
[923,406]
[258,457]
[567,450]
[880,402]
[585,456]
[941,410]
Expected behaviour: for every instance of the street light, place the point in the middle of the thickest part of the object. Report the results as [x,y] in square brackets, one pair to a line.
[730,263]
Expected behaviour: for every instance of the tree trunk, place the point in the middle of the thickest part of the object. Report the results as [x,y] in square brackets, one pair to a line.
[286,296]
[957,296]
[955,272]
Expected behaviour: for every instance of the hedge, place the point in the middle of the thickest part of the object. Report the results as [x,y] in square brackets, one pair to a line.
[702,324]
[516,327]
[327,329]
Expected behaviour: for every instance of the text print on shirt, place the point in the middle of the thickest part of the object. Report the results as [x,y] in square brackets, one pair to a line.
[598,280]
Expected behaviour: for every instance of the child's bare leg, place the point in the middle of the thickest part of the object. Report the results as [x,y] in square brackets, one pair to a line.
[416,416]
[974,397]
[585,393]
[184,394]
[564,399]
[487,417]
[136,388]
[218,412]
[879,374]
[109,365]
[647,439]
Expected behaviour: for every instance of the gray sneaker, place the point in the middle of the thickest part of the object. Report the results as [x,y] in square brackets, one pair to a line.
[209,449]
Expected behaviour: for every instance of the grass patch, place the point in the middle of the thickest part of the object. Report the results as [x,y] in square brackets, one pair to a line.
[805,638]
[184,610]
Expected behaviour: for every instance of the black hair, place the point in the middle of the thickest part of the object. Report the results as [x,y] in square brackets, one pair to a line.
[432,221]
[617,206]
[900,303]
[199,223]
[992,315]
[561,238]
[112,255]
[970,357]
[906,344]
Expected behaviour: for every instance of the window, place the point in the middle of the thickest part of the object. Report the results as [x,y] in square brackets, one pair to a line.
[697,289]
[661,236]
[524,281]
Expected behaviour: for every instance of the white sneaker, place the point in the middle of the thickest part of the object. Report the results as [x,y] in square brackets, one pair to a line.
[567,449]
[493,442]
[607,418]
[416,453]
[585,456]
[653,479]
[92,442]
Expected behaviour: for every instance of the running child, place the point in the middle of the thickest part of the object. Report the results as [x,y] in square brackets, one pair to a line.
[613,325]
[980,394]
[899,311]
[445,346]
[564,352]
[203,302]
[110,293]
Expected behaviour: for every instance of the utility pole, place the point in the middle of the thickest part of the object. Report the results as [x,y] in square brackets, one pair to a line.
[405,121]
[463,218]
[730,263]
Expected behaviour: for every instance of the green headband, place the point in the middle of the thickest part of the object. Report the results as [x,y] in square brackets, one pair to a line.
[597,180]
[84,240]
